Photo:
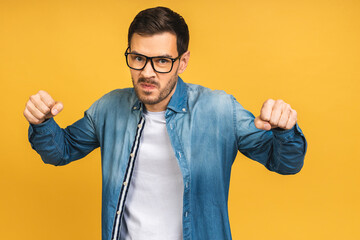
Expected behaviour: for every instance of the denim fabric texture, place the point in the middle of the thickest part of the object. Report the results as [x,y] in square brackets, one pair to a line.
[206,127]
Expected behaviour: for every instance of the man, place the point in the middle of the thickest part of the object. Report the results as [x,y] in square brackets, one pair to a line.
[167,147]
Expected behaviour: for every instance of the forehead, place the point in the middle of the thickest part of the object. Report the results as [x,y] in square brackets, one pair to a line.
[154,45]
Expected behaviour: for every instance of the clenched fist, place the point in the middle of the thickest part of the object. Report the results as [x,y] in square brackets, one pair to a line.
[276,113]
[40,107]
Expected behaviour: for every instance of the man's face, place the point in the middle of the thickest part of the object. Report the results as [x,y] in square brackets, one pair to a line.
[152,88]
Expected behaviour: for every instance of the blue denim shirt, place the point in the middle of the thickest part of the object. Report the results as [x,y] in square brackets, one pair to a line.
[206,129]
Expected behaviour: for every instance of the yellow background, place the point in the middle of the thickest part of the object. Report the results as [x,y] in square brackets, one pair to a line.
[305,52]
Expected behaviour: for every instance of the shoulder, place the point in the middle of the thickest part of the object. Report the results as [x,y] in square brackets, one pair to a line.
[201,94]
[207,101]
[118,94]
[118,99]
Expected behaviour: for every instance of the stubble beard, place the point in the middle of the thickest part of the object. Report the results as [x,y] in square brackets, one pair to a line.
[146,98]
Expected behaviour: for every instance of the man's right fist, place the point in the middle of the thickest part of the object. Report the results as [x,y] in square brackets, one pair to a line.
[40,107]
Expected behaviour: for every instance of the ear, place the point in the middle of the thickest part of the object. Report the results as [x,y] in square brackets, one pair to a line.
[184,60]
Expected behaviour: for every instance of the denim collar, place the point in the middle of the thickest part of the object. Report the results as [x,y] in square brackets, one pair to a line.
[178,101]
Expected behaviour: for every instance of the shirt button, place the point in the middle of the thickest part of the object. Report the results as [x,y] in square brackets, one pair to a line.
[140,125]
[118,212]
[131,155]
[184,110]
[134,108]
[125,183]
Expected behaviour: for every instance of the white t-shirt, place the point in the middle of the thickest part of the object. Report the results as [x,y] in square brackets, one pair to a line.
[154,205]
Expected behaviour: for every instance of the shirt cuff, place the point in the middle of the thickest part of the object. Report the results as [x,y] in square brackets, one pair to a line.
[285,134]
[42,127]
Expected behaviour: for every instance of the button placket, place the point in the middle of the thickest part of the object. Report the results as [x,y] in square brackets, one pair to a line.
[122,197]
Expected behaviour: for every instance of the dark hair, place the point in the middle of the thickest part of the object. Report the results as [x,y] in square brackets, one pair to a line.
[159,20]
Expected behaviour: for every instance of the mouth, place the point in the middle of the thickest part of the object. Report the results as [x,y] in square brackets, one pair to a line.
[147,86]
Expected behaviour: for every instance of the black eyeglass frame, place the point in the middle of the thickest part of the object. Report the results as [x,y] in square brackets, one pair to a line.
[151,61]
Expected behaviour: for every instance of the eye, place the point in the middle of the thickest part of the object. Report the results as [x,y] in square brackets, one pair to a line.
[138,58]
[163,61]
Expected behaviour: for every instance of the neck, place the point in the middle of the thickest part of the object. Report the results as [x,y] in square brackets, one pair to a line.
[159,107]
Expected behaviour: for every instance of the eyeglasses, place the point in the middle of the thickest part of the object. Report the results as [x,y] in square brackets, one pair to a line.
[160,64]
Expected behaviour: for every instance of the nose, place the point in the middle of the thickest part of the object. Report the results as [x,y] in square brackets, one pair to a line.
[148,70]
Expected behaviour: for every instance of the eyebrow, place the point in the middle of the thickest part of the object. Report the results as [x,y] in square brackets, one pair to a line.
[166,55]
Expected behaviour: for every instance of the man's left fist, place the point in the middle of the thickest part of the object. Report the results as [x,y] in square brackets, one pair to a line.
[276,113]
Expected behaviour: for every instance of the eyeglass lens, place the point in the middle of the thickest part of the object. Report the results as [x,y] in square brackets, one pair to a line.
[160,64]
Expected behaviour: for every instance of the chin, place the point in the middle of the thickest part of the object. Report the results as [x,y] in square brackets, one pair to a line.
[147,99]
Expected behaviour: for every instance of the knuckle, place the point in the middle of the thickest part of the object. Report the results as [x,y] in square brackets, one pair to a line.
[263,111]
[287,110]
[50,100]
[279,101]
[294,115]
[290,126]
[272,122]
[41,115]
[269,101]
[34,98]
[46,110]
[42,92]
[264,116]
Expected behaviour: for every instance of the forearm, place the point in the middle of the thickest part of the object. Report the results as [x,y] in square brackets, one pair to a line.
[288,151]
[281,151]
[58,146]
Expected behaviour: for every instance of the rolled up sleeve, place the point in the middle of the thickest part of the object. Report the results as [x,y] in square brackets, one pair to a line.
[281,151]
[59,146]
